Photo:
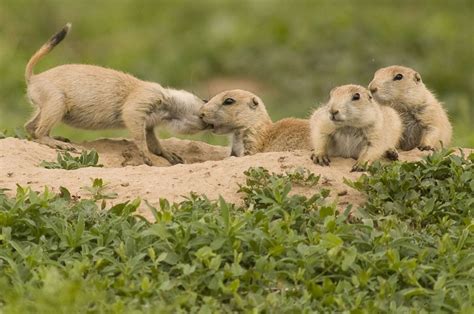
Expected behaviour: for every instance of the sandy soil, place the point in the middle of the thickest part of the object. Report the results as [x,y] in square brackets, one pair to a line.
[208,170]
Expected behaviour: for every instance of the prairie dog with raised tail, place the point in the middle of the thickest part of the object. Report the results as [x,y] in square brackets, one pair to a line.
[243,115]
[93,97]
[425,122]
[353,125]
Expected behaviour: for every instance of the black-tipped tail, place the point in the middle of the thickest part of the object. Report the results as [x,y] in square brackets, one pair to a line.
[59,36]
[47,47]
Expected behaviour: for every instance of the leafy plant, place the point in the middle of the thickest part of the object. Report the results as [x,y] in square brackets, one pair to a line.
[66,161]
[264,188]
[99,190]
[439,188]
[279,252]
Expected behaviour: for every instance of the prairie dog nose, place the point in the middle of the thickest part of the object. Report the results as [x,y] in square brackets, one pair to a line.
[202,115]
[333,112]
[372,87]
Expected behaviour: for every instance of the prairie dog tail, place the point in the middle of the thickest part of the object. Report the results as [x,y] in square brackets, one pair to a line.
[45,49]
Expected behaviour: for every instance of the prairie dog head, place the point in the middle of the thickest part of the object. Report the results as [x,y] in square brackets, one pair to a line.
[398,85]
[234,110]
[352,105]
[183,112]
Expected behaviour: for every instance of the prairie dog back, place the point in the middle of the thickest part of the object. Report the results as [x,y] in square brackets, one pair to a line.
[353,125]
[98,108]
[93,97]
[425,122]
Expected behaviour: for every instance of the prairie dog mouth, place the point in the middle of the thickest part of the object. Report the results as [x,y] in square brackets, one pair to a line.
[209,126]
[336,120]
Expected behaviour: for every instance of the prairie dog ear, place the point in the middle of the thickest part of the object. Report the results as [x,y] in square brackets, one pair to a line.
[417,77]
[254,103]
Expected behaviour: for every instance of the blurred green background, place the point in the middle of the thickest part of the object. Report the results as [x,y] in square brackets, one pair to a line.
[291,53]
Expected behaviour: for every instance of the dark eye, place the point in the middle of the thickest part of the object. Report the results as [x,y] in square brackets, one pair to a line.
[356,96]
[398,77]
[228,101]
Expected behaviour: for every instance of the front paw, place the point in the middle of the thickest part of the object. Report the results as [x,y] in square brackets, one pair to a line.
[426,147]
[359,167]
[322,160]
[172,158]
[391,154]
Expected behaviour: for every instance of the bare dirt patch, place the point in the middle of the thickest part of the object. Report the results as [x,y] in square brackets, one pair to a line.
[208,170]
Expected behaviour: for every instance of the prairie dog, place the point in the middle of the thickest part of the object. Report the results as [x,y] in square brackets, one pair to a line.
[93,97]
[425,122]
[243,114]
[353,125]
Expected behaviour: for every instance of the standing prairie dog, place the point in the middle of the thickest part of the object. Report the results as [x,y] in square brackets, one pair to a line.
[353,125]
[243,114]
[425,122]
[93,97]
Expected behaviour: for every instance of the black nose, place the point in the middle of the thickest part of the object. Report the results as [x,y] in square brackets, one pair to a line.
[373,89]
[201,115]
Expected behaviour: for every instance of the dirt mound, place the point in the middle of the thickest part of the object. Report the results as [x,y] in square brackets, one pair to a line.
[208,170]
[122,152]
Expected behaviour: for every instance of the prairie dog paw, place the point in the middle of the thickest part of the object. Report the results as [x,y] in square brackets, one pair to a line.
[53,143]
[322,160]
[359,167]
[147,160]
[172,158]
[391,154]
[426,147]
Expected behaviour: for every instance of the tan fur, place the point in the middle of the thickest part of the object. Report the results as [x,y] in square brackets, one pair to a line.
[93,97]
[359,129]
[426,123]
[250,125]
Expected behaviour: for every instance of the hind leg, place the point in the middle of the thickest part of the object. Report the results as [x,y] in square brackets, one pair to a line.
[31,125]
[50,113]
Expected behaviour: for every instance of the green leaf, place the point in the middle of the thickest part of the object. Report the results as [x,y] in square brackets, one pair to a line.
[349,258]
[330,241]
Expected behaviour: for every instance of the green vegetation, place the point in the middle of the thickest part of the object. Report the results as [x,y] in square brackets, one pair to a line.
[279,252]
[437,189]
[66,161]
[18,132]
[290,52]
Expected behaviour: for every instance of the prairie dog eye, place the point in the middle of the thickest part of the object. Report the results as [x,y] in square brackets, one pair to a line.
[356,96]
[228,101]
[398,77]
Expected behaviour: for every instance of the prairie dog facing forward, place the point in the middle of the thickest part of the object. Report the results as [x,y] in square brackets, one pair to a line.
[353,125]
[243,115]
[93,97]
[425,122]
